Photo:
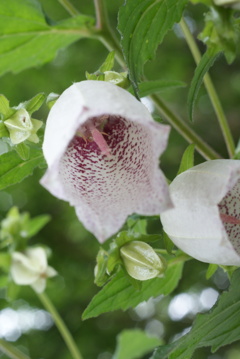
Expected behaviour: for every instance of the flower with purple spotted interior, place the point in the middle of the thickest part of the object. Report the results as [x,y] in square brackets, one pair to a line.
[205,220]
[102,148]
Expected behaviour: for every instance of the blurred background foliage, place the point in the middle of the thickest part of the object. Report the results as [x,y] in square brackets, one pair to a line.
[73,248]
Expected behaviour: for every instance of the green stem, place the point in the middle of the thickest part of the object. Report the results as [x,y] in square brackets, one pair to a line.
[66,335]
[11,351]
[69,7]
[211,90]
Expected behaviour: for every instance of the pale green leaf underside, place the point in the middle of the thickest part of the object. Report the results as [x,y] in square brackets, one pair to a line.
[120,294]
[13,169]
[143,25]
[26,40]
[133,344]
[217,328]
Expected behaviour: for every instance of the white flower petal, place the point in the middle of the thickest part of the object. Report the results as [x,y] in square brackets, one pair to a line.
[105,189]
[22,269]
[194,224]
[39,285]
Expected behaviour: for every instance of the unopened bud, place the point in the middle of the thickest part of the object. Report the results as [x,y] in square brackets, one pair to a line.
[116,78]
[141,261]
[21,127]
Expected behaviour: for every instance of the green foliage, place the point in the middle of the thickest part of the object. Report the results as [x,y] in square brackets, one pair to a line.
[221,32]
[217,328]
[143,25]
[149,87]
[13,169]
[120,294]
[204,65]
[26,36]
[187,160]
[133,344]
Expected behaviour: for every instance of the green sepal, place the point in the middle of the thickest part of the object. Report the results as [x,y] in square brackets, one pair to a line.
[108,63]
[33,104]
[23,151]
[3,130]
[211,270]
[51,99]
[187,160]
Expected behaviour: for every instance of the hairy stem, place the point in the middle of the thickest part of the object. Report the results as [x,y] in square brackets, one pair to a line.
[66,335]
[11,351]
[210,89]
[69,7]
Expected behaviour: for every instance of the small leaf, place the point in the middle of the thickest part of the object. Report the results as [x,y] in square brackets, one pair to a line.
[133,344]
[211,270]
[187,160]
[5,109]
[204,65]
[169,245]
[120,294]
[3,130]
[217,328]
[108,63]
[13,169]
[23,151]
[150,87]
[143,26]
[34,104]
[33,226]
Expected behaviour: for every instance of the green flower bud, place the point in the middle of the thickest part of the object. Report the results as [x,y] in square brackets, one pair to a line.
[116,78]
[21,127]
[141,261]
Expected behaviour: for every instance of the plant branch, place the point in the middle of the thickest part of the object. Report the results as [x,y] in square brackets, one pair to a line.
[211,90]
[11,351]
[66,335]
[69,7]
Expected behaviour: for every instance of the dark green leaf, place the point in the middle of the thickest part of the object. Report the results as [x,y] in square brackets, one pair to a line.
[143,25]
[133,344]
[217,328]
[204,65]
[120,294]
[13,169]
[187,160]
[150,87]
[35,225]
[26,40]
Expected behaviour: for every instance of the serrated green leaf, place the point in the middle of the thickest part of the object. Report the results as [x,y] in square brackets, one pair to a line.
[133,344]
[143,25]
[23,151]
[13,169]
[149,87]
[120,294]
[108,63]
[34,103]
[204,65]
[217,328]
[35,225]
[26,36]
[187,160]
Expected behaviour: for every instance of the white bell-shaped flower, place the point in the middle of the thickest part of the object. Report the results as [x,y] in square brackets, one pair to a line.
[31,268]
[205,220]
[102,148]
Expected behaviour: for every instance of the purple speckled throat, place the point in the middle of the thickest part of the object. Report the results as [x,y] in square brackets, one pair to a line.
[229,208]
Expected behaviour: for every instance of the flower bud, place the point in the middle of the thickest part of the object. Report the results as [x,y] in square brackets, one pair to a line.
[21,127]
[141,261]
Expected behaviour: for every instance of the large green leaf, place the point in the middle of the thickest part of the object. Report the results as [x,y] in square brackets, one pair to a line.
[13,169]
[143,25]
[217,328]
[133,344]
[27,40]
[120,294]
